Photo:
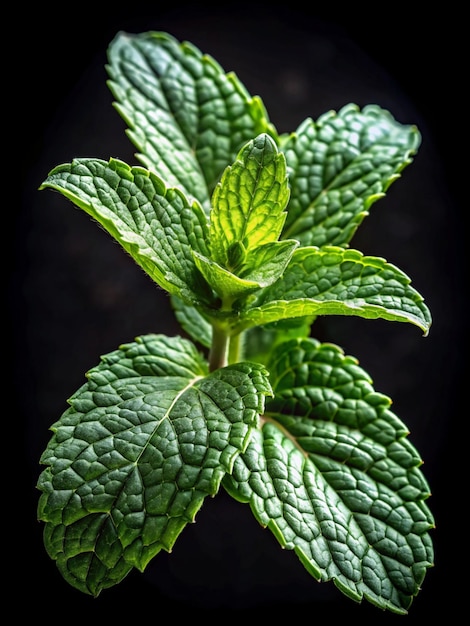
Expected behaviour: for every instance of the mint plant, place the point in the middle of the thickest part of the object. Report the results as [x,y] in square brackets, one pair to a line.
[248,231]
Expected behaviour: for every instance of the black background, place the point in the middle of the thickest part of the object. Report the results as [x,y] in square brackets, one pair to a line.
[73,294]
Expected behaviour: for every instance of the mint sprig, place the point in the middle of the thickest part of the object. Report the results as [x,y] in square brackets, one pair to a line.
[249,233]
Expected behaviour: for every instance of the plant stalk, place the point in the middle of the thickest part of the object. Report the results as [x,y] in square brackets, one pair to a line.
[218,354]
[235,348]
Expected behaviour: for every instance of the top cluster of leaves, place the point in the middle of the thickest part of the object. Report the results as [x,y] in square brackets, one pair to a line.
[248,231]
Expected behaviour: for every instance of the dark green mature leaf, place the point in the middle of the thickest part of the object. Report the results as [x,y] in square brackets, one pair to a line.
[186,116]
[192,322]
[338,167]
[144,441]
[334,477]
[338,281]
[157,226]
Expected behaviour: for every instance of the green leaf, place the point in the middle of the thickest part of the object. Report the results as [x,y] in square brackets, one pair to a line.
[157,226]
[259,341]
[263,267]
[144,441]
[248,205]
[338,167]
[267,263]
[334,477]
[228,285]
[186,116]
[337,281]
[245,223]
[192,322]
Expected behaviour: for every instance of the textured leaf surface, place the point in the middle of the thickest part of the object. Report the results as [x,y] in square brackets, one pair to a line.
[155,225]
[338,167]
[192,322]
[186,116]
[338,281]
[250,200]
[224,282]
[263,267]
[144,441]
[334,477]
[268,262]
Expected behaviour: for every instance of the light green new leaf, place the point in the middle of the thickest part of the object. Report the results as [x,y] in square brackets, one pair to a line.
[268,262]
[226,284]
[334,477]
[144,441]
[157,226]
[338,167]
[186,116]
[248,205]
[264,266]
[338,281]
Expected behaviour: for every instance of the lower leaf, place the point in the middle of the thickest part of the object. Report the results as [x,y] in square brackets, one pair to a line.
[333,476]
[144,441]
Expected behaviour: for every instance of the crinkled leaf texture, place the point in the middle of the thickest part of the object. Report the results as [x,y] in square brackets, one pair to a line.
[192,322]
[333,476]
[339,166]
[338,281]
[144,441]
[156,225]
[327,467]
[189,120]
[248,204]
[186,116]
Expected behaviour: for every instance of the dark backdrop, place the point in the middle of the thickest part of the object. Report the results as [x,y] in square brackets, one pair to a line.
[74,295]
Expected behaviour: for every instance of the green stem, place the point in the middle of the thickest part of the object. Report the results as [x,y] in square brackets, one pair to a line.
[235,349]
[218,356]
